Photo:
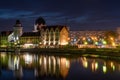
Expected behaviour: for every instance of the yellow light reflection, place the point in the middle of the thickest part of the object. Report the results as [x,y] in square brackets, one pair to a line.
[3,55]
[16,62]
[67,64]
[113,68]
[94,66]
[113,44]
[28,58]
[112,65]
[54,64]
[104,69]
[64,66]
[45,64]
[49,64]
[84,62]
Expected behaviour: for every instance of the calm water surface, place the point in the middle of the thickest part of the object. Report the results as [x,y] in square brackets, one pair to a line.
[26,66]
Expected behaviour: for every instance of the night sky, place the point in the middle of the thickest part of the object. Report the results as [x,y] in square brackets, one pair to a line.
[77,14]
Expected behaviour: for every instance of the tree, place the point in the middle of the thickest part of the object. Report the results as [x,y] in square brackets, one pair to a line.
[111,36]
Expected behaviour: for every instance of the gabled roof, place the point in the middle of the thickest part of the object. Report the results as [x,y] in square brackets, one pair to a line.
[54,27]
[5,33]
[18,24]
[26,34]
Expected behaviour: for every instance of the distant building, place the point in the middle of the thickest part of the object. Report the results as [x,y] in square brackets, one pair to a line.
[95,39]
[78,37]
[39,23]
[118,32]
[30,39]
[54,36]
[17,32]
[43,36]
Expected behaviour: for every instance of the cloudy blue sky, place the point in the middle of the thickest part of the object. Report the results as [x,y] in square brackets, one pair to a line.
[77,14]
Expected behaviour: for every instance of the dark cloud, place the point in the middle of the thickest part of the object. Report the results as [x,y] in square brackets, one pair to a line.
[78,14]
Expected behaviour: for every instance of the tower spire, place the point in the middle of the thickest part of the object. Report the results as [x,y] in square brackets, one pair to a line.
[18,24]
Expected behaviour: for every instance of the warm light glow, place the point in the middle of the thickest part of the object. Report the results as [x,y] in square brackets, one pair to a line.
[54,64]
[44,42]
[17,38]
[104,69]
[68,39]
[40,61]
[95,38]
[84,61]
[16,62]
[28,58]
[49,64]
[83,38]
[64,66]
[111,38]
[85,64]
[15,43]
[27,45]
[67,64]
[3,55]
[45,61]
[104,42]
[92,38]
[112,65]
[96,43]
[94,66]
[64,42]
[85,43]
[45,64]
[113,44]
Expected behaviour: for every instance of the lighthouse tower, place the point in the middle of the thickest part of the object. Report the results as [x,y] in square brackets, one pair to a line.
[17,30]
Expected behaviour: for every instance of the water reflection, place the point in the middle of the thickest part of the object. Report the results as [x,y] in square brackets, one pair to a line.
[99,64]
[53,66]
[43,65]
[0,66]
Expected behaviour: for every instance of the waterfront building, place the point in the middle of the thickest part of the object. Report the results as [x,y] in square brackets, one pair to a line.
[30,39]
[17,32]
[43,36]
[47,37]
[39,23]
[54,36]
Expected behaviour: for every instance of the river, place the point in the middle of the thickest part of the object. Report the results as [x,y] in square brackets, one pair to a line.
[30,66]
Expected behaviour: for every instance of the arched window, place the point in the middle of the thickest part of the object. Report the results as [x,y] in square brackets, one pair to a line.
[51,34]
[57,34]
[47,35]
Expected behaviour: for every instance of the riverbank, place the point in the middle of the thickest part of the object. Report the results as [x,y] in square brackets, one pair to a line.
[63,51]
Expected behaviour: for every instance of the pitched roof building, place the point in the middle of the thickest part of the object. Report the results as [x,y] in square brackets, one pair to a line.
[43,36]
